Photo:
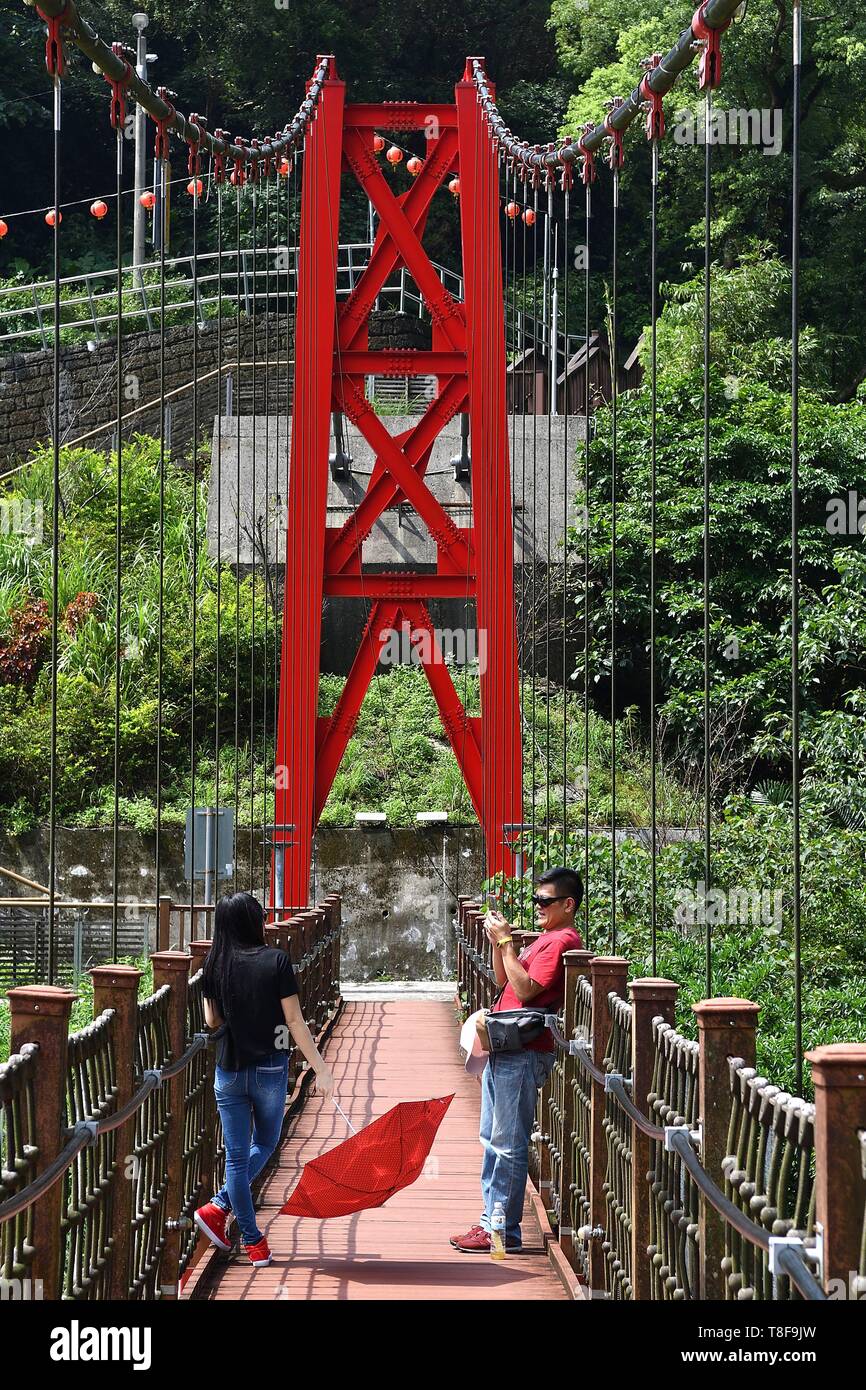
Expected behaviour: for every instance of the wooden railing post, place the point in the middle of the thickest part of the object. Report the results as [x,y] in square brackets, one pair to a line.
[650,998]
[198,953]
[839,1074]
[172,968]
[116,987]
[163,924]
[576,965]
[726,1028]
[40,1014]
[607,973]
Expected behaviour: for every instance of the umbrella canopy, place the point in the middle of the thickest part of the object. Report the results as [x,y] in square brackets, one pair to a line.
[370,1166]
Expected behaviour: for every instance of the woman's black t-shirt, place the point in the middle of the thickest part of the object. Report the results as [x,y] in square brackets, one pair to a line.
[254,1021]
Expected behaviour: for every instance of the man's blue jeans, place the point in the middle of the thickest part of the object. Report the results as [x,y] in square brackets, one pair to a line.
[509,1091]
[251,1103]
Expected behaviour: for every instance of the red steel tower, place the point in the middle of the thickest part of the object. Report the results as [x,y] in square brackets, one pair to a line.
[332,359]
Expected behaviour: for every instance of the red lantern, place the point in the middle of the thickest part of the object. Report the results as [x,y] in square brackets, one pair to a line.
[49,217]
[529,217]
[98,209]
[194,187]
[148,199]
[378,143]
[285,168]
[394,155]
[3,228]
[512,210]
[454,188]
[415,165]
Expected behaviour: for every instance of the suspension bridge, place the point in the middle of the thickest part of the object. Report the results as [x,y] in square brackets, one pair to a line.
[662,1168]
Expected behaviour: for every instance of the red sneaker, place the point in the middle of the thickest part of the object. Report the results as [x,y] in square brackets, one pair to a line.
[212,1220]
[458,1240]
[477,1242]
[260,1253]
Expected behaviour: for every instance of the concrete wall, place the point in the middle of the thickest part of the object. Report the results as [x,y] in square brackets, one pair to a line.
[396,908]
[542,492]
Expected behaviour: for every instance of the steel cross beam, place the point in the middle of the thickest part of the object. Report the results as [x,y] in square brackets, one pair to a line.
[332,359]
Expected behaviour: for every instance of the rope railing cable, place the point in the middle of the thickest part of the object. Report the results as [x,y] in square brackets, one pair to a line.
[680,1140]
[85,1132]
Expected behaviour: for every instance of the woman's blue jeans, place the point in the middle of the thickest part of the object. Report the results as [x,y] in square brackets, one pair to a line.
[251,1104]
[509,1092]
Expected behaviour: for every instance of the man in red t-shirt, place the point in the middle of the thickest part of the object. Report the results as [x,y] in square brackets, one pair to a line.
[510,1081]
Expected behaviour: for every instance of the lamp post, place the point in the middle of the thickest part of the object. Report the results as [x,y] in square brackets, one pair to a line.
[140,22]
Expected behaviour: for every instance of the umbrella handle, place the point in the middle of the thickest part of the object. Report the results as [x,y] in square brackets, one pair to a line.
[350,1126]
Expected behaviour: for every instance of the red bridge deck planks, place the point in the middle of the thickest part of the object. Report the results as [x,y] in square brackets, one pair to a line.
[382,1053]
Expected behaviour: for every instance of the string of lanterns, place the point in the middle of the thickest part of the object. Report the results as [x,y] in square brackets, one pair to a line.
[195,187]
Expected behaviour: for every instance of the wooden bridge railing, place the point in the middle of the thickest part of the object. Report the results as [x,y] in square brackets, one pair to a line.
[110,1137]
[669,1169]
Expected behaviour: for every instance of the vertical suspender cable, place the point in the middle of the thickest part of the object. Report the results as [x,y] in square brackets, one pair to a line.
[194,576]
[653,526]
[161,212]
[118,522]
[795,540]
[55,552]
[265,543]
[253,528]
[586,578]
[219,529]
[533,593]
[549,331]
[706,529]
[565,486]
[614,395]
[237,409]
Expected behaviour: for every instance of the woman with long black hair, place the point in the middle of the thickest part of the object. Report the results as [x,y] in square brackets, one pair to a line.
[251,999]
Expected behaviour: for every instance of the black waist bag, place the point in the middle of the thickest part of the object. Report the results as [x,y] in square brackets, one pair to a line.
[512,1030]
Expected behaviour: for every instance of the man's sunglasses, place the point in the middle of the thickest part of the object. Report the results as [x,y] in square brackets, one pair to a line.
[544,902]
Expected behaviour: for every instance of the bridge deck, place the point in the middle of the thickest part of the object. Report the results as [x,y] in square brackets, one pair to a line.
[382,1053]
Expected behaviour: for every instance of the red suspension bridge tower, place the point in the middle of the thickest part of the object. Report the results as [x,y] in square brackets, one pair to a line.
[332,359]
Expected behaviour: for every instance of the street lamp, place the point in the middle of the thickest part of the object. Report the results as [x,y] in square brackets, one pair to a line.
[140,22]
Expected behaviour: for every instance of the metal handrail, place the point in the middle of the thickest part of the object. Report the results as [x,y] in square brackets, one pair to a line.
[678,1139]
[228,263]
[86,1132]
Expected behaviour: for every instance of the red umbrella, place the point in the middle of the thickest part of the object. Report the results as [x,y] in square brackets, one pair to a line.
[370,1166]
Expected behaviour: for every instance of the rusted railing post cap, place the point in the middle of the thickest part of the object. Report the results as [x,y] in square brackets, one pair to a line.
[726,1012]
[172,960]
[200,947]
[118,976]
[838,1064]
[653,987]
[576,957]
[51,1001]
